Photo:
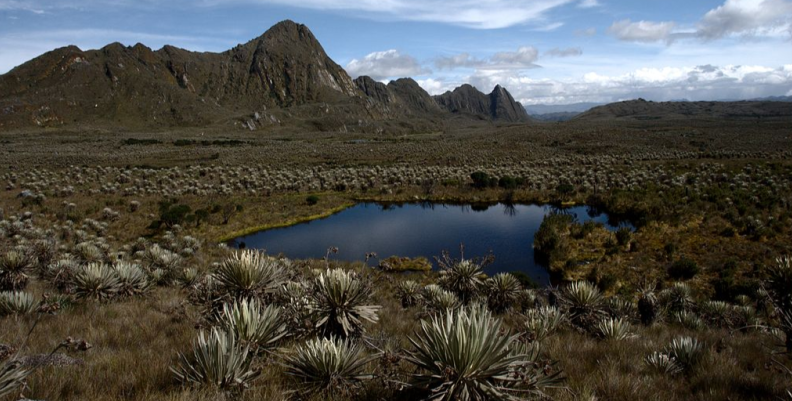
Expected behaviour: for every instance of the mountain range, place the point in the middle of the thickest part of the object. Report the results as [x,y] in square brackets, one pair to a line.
[281,76]
[283,79]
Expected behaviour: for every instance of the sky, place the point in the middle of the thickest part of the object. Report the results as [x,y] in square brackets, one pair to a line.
[542,51]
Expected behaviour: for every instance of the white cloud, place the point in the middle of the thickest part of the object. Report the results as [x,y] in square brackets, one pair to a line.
[749,18]
[568,52]
[660,84]
[434,86]
[487,14]
[641,31]
[549,27]
[386,64]
[746,17]
[524,58]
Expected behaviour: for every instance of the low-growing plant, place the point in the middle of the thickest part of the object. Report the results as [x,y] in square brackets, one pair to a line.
[662,363]
[409,293]
[96,281]
[327,367]
[252,324]
[338,303]
[584,302]
[614,329]
[12,377]
[132,280]
[17,303]
[541,323]
[217,361]
[683,269]
[687,351]
[503,290]
[463,278]
[250,273]
[463,354]
[14,266]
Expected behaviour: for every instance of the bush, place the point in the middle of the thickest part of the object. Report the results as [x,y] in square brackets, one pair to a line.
[483,180]
[312,200]
[507,182]
[250,273]
[683,269]
[623,236]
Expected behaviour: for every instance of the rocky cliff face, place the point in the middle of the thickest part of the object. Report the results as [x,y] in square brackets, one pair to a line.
[499,105]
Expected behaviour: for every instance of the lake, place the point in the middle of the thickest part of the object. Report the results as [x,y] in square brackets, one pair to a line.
[423,229]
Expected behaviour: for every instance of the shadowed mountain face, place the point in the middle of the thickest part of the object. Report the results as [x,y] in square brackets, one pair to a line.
[498,105]
[281,77]
[284,67]
[643,110]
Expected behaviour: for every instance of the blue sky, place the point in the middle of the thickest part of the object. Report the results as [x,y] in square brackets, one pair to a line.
[543,51]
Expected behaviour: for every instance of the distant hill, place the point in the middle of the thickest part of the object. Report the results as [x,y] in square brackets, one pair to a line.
[539,109]
[646,110]
[282,77]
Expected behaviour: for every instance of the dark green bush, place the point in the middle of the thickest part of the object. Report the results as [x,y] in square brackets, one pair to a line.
[683,269]
[312,200]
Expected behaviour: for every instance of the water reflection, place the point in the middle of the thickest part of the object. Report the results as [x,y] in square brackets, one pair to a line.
[423,229]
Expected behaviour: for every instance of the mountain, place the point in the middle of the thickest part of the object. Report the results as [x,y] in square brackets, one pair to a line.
[646,110]
[402,97]
[539,109]
[284,67]
[282,78]
[499,105]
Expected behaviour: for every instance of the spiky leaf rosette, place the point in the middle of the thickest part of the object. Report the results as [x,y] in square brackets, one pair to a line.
[14,266]
[463,278]
[614,329]
[250,273]
[464,355]
[330,367]
[338,301]
[12,377]
[437,299]
[409,292]
[503,291]
[217,361]
[17,303]
[132,279]
[662,363]
[254,325]
[584,302]
[96,281]
[541,323]
[687,351]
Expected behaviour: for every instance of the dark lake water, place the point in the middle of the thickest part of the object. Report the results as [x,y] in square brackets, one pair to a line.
[413,230]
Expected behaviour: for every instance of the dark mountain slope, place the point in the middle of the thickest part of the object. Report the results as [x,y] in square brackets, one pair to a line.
[645,110]
[497,106]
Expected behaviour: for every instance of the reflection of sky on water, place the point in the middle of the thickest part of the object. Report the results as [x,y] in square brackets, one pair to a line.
[421,230]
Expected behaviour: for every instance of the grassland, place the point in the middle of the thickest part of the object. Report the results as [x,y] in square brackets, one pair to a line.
[713,194]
